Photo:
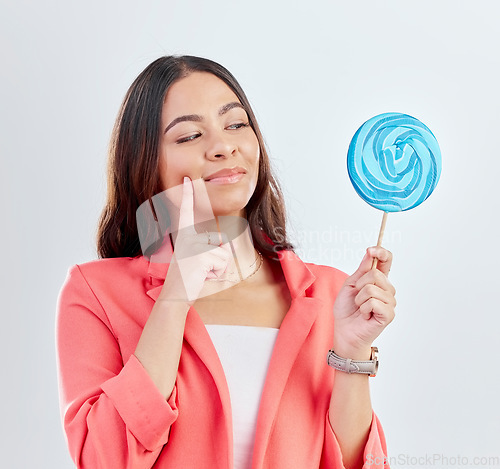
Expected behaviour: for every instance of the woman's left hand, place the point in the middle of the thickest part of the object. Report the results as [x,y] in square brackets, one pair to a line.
[364,306]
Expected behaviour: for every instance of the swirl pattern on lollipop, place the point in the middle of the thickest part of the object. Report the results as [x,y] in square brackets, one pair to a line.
[394,162]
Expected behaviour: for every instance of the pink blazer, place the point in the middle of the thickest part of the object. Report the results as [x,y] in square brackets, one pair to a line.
[114,416]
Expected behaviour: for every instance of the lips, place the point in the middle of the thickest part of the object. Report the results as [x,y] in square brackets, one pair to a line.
[226,174]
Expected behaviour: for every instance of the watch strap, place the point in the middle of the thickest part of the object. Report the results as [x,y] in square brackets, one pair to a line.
[347,365]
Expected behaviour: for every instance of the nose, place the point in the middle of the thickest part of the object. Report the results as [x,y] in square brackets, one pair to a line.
[220,146]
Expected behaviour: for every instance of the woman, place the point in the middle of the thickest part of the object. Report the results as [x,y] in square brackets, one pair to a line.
[209,350]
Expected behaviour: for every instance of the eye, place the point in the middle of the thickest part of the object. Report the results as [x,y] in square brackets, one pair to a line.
[239,125]
[189,138]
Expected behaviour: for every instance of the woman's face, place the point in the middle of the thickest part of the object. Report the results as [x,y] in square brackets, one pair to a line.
[206,135]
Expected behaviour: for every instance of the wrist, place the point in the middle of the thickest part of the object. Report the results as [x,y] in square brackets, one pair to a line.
[178,307]
[354,352]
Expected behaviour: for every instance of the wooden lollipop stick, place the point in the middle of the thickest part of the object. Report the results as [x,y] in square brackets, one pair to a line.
[380,237]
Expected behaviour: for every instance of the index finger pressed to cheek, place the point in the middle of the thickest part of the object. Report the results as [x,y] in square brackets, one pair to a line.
[186,211]
[202,205]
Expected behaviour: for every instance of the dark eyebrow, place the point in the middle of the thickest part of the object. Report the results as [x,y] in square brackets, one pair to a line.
[229,106]
[196,118]
[189,117]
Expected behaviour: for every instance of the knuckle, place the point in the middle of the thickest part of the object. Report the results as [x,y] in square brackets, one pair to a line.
[358,301]
[366,307]
[370,290]
[389,318]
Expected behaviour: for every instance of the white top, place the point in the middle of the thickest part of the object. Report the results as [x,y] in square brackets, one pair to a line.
[245,352]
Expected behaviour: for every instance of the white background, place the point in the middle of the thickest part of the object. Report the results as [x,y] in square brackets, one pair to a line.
[314,71]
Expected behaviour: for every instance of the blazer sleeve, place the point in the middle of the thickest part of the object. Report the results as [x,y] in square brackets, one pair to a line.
[113,414]
[375,452]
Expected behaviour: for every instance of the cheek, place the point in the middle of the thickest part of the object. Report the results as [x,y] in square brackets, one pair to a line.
[253,163]
[253,151]
[173,170]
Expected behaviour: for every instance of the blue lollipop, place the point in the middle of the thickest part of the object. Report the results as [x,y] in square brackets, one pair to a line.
[394,163]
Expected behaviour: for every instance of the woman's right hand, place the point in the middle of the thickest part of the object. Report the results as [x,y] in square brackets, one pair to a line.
[196,256]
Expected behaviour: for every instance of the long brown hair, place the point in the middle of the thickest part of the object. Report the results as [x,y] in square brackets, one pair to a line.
[133,174]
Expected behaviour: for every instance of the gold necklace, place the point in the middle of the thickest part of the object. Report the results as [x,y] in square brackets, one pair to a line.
[259,258]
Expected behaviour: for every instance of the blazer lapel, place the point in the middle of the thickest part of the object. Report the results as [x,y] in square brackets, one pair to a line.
[293,333]
[197,337]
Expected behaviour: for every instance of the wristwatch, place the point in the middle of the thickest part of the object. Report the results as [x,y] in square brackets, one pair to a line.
[368,367]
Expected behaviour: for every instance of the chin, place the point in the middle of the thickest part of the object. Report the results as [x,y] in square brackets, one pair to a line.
[228,212]
[228,208]
[227,205]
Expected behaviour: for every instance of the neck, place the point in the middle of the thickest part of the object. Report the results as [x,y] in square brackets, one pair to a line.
[245,257]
